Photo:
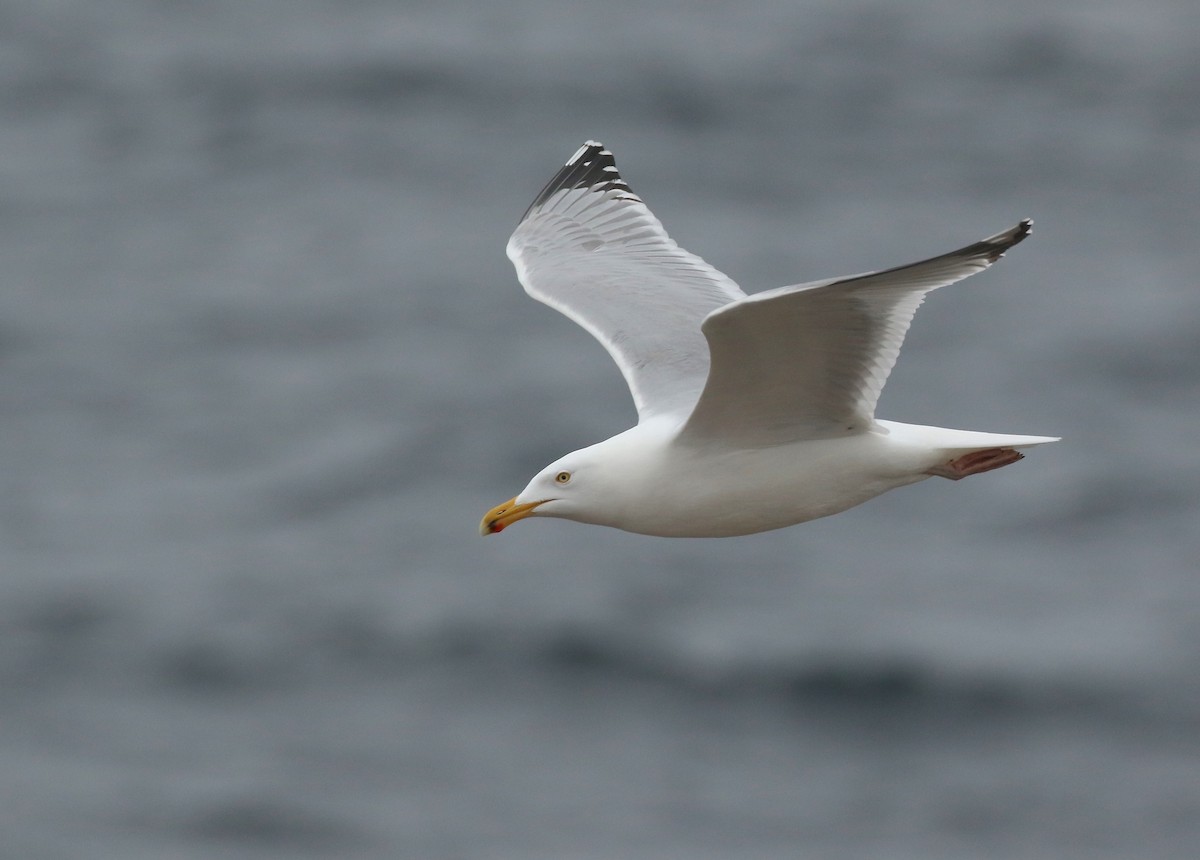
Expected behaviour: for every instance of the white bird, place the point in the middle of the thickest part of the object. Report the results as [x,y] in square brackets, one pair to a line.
[755,412]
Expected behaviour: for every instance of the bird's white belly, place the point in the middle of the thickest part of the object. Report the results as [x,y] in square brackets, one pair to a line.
[705,494]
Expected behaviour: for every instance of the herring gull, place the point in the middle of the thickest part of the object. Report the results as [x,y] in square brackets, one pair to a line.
[755,412]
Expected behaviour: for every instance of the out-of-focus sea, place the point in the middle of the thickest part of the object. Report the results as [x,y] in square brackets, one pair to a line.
[264,364]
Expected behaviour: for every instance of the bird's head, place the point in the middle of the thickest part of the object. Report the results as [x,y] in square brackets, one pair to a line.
[559,490]
[597,484]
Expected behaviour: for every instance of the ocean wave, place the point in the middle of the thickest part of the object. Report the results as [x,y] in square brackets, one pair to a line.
[68,638]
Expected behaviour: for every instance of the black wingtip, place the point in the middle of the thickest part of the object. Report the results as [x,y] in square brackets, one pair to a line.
[1001,242]
[592,166]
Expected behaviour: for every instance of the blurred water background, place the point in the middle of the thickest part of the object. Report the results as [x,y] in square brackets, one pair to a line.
[263,366]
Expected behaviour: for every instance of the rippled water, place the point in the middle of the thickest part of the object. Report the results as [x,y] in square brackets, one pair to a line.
[263,365]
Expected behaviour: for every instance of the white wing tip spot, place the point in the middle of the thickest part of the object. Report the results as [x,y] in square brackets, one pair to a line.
[588,144]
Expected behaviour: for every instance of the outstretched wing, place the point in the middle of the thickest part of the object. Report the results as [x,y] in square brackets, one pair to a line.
[590,248]
[811,360]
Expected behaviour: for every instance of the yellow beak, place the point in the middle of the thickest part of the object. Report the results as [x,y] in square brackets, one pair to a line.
[502,516]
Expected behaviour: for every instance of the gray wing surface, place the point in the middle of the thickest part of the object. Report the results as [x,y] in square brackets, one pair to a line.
[810,360]
[590,248]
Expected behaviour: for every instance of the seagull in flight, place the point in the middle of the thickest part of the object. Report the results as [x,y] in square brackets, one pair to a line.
[755,412]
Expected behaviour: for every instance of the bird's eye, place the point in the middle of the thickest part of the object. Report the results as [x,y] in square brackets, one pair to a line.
[562,477]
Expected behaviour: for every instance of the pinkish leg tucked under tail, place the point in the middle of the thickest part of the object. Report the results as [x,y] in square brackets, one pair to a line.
[977,462]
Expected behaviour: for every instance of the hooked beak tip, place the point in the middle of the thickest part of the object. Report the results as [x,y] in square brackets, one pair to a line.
[502,516]
[489,527]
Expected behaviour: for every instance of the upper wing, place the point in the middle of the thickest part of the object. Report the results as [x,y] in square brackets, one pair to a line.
[811,360]
[590,248]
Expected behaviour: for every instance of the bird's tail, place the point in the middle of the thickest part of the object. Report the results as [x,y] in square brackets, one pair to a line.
[962,441]
[956,454]
[974,440]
